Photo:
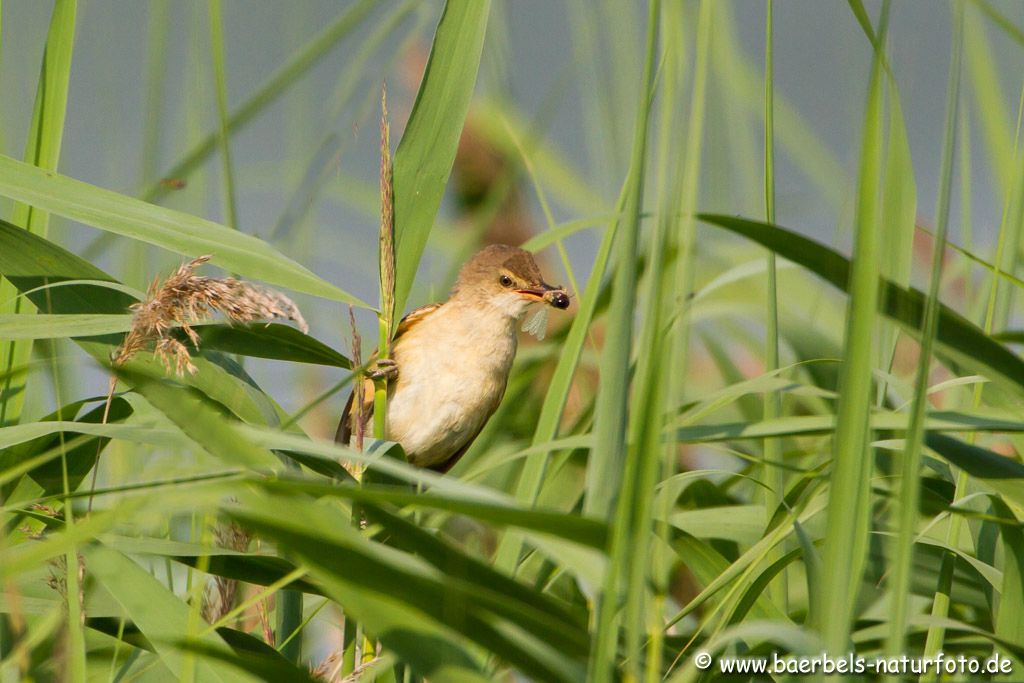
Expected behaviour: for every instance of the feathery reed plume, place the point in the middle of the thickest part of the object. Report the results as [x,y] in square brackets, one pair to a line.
[387,219]
[219,594]
[185,299]
[264,615]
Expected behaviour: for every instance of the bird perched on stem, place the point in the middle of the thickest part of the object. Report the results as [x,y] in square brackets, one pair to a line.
[450,361]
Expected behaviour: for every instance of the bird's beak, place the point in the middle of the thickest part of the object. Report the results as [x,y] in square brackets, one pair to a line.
[556,296]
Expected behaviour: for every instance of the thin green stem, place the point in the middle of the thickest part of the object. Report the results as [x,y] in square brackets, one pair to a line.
[775,476]
[848,520]
[909,492]
[607,461]
[223,137]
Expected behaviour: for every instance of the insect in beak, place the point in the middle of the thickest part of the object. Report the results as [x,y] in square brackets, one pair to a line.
[556,296]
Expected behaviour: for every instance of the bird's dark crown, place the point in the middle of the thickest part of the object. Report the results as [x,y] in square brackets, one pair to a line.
[487,268]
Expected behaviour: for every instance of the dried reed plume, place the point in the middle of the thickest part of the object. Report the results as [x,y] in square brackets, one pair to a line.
[219,594]
[358,396]
[185,299]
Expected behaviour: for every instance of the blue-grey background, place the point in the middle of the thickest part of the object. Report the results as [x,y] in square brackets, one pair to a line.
[532,63]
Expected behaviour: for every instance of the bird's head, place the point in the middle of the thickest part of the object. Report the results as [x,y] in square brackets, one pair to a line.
[508,279]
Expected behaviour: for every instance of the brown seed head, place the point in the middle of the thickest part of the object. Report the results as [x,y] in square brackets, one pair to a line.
[185,299]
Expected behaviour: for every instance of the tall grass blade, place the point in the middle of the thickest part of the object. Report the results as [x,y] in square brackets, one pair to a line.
[643,616]
[849,503]
[426,152]
[609,493]
[1009,624]
[221,87]
[43,151]
[775,476]
[989,99]
[909,487]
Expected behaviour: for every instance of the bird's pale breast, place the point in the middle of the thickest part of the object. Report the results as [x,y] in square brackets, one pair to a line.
[453,369]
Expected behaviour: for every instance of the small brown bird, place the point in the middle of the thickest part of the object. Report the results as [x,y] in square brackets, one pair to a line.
[450,362]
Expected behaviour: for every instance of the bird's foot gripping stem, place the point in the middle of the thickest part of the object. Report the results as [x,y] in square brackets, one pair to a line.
[384,369]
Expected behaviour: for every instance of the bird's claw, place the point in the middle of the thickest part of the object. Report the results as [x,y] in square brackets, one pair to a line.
[383,369]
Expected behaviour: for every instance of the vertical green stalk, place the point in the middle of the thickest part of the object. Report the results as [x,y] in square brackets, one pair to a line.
[647,407]
[136,269]
[221,89]
[964,160]
[156,69]
[909,492]
[596,110]
[43,150]
[682,241]
[775,476]
[202,526]
[607,460]
[849,500]
[385,326]
[661,307]
[74,595]
[385,320]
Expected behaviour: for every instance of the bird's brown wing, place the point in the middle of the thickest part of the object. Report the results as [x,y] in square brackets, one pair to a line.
[343,435]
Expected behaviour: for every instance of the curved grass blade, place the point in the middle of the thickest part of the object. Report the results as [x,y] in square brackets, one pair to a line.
[179,232]
[581,530]
[411,607]
[80,454]
[160,615]
[58,326]
[223,141]
[910,481]
[957,338]
[195,414]
[796,425]
[251,655]
[273,341]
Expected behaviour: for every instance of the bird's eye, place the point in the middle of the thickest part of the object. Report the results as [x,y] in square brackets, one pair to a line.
[505,281]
